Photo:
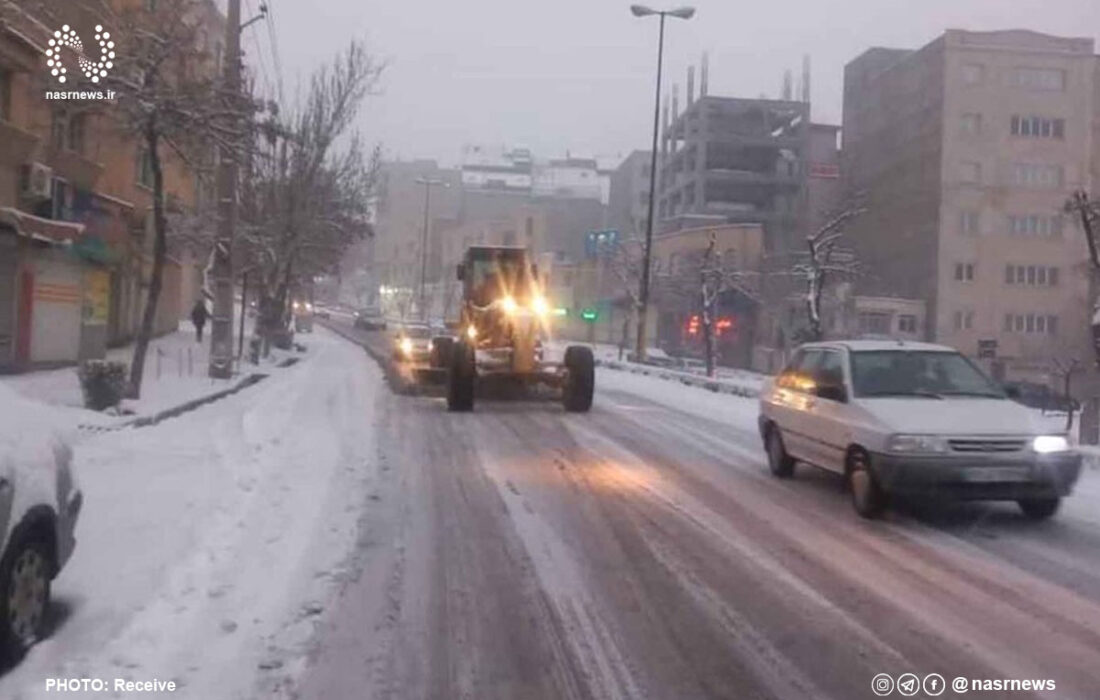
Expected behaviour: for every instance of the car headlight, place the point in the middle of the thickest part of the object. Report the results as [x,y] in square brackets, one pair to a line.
[539,306]
[406,346]
[1046,444]
[933,444]
[471,332]
[309,307]
[509,305]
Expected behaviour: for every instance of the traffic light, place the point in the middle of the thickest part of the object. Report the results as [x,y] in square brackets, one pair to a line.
[693,325]
[590,315]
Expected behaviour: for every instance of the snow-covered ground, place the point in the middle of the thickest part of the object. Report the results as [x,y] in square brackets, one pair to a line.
[175,373]
[209,544]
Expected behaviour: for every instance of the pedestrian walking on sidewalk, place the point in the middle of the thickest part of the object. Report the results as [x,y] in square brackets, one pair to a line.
[199,314]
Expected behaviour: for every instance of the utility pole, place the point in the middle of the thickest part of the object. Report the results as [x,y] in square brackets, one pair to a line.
[647,254]
[1080,205]
[221,328]
[428,183]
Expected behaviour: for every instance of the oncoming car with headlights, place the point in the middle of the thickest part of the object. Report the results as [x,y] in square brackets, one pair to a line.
[911,419]
[413,344]
[303,316]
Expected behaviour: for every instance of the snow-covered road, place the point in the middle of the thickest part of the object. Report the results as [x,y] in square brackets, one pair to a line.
[642,551]
[209,544]
[319,537]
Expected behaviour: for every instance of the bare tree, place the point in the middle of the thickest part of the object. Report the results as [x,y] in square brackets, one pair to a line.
[822,261]
[703,278]
[311,184]
[624,261]
[169,97]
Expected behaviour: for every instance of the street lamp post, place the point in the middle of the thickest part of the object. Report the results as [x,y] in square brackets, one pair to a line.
[643,292]
[428,183]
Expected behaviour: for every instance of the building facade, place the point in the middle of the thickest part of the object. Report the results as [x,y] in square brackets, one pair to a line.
[628,203]
[968,149]
[736,160]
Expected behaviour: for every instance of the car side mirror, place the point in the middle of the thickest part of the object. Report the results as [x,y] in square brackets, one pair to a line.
[460,272]
[832,392]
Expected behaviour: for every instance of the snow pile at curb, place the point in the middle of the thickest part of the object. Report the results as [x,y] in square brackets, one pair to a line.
[718,385]
[210,545]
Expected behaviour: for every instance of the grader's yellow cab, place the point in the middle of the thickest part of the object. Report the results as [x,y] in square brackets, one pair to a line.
[502,333]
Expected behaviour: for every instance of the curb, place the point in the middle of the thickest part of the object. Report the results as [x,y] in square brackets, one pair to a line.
[146,421]
[715,386]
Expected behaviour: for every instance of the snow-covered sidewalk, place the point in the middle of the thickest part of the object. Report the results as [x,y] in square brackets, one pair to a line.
[209,544]
[175,373]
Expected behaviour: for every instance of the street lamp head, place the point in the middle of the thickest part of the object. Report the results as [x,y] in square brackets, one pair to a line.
[641,11]
[683,12]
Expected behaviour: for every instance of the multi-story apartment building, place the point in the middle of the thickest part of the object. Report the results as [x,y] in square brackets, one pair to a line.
[75,204]
[628,204]
[968,149]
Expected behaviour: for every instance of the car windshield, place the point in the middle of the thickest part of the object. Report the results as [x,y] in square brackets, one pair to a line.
[417,332]
[918,373]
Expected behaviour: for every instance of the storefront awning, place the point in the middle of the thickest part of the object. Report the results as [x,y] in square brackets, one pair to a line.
[39,229]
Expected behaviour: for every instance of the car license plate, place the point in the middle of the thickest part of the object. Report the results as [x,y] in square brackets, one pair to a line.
[996,474]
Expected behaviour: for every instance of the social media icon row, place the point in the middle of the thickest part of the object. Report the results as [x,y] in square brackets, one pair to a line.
[908,684]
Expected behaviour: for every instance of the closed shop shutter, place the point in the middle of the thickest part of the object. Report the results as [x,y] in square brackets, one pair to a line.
[58,302]
[7,298]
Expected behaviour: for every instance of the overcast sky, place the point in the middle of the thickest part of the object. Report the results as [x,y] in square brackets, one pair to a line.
[577,75]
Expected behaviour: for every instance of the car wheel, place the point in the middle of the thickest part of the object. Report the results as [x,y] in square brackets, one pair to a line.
[24,594]
[461,378]
[868,498]
[580,381]
[1039,508]
[780,463]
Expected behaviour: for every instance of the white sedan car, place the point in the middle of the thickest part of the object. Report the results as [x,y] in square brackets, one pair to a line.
[914,419]
[39,506]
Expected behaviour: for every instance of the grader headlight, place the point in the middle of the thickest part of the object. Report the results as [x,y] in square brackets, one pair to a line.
[540,307]
[509,305]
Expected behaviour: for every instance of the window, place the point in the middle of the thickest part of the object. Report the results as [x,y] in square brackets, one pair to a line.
[1038,127]
[1031,275]
[964,320]
[1037,175]
[5,95]
[1036,324]
[830,369]
[1038,79]
[970,171]
[907,323]
[973,73]
[969,223]
[874,323]
[143,167]
[1040,225]
[917,373]
[964,272]
[971,124]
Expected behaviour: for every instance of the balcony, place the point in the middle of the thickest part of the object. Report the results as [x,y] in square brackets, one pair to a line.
[16,145]
[80,171]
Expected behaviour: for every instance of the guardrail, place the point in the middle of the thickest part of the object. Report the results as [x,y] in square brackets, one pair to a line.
[718,386]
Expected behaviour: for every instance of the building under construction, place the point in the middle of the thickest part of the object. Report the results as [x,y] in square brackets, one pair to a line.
[736,160]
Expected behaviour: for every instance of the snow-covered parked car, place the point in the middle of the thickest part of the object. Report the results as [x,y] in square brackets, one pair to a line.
[911,418]
[39,505]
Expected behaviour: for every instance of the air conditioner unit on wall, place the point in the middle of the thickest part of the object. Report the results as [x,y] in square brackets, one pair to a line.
[38,183]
